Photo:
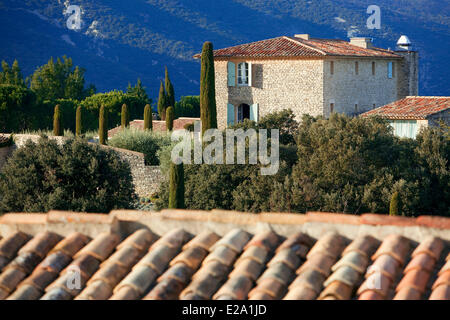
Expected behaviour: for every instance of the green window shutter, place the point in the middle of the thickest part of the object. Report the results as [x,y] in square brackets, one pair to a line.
[250,74]
[254,115]
[230,114]
[231,74]
[390,70]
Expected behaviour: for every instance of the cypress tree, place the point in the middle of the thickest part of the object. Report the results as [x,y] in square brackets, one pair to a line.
[169,118]
[162,102]
[148,120]
[208,112]
[176,186]
[170,92]
[125,117]
[57,126]
[394,205]
[103,127]
[78,122]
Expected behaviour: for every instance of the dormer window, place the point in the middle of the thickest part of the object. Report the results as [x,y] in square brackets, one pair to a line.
[243,74]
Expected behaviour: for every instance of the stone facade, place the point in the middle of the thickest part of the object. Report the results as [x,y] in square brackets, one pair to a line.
[276,85]
[354,92]
[146,179]
[307,86]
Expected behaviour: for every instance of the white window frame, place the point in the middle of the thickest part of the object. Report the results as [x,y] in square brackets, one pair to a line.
[243,74]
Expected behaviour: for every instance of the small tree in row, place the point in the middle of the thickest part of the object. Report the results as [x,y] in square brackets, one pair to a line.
[102,126]
[148,121]
[169,118]
[176,186]
[57,125]
[125,117]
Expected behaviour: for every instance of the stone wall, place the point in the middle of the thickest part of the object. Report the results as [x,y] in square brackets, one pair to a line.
[277,85]
[345,88]
[146,179]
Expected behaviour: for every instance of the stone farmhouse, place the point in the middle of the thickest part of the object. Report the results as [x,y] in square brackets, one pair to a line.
[309,75]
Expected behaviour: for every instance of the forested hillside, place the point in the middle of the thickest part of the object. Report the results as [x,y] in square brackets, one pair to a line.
[120,41]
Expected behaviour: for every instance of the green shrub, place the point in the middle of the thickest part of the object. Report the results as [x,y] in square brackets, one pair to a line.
[394,205]
[17,108]
[169,118]
[103,126]
[57,127]
[76,176]
[148,118]
[146,142]
[188,106]
[176,186]
[79,122]
[125,117]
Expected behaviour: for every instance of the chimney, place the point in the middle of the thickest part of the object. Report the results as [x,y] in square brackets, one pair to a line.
[408,84]
[303,36]
[365,43]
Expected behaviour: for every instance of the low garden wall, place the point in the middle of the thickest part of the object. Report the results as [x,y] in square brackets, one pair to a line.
[146,179]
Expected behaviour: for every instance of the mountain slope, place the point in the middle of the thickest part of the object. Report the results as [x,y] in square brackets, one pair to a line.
[120,41]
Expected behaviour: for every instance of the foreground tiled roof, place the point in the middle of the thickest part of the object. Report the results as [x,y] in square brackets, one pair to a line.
[159,256]
[411,108]
[297,47]
[159,126]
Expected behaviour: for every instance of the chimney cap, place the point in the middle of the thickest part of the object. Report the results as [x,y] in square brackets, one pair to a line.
[403,41]
[303,36]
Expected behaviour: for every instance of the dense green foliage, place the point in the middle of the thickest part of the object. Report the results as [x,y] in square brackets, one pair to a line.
[76,176]
[208,112]
[393,206]
[169,118]
[58,130]
[79,122]
[59,80]
[60,83]
[11,75]
[125,117]
[103,125]
[148,118]
[146,142]
[176,186]
[188,107]
[16,106]
[351,165]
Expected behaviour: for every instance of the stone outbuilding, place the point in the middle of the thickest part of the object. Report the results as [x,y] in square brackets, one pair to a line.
[407,116]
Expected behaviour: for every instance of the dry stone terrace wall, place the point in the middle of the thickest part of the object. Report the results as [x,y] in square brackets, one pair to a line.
[146,179]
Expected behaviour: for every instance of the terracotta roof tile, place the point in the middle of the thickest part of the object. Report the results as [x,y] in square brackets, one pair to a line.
[9,246]
[237,265]
[411,108]
[296,47]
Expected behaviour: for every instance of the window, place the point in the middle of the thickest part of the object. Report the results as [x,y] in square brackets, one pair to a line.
[331,67]
[374,105]
[356,68]
[356,108]
[243,112]
[243,74]
[390,70]
[373,68]
[331,107]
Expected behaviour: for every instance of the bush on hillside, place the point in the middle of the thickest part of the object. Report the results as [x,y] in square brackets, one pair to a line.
[76,176]
[146,142]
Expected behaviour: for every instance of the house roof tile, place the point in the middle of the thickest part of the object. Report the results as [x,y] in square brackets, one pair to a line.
[284,46]
[411,108]
[241,264]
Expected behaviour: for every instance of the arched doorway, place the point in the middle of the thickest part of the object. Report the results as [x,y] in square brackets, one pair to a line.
[243,112]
